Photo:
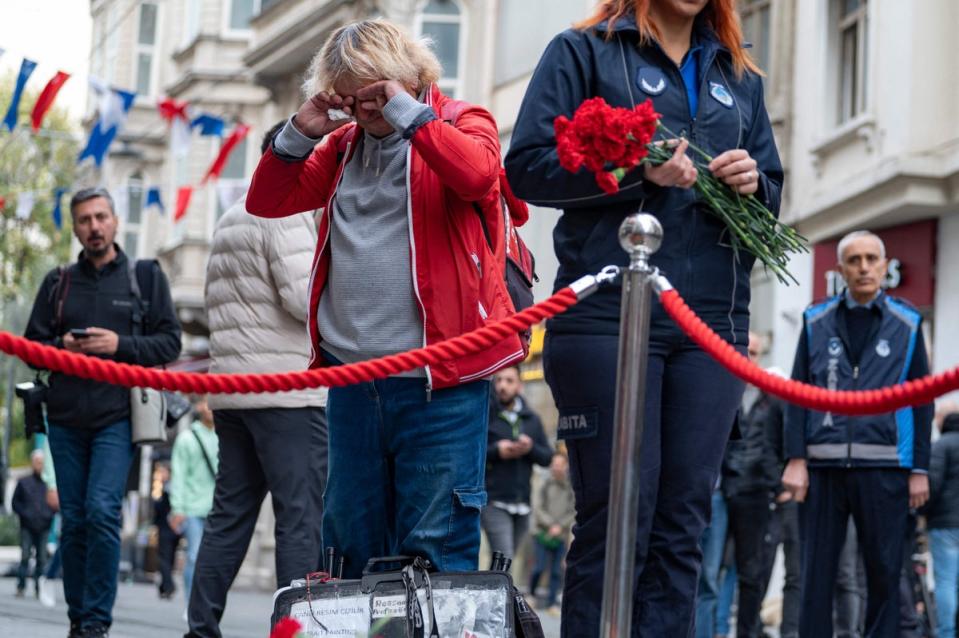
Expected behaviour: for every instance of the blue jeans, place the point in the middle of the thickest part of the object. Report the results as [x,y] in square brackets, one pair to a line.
[406,473]
[945,561]
[92,468]
[193,531]
[552,559]
[31,541]
[713,542]
[724,604]
[691,403]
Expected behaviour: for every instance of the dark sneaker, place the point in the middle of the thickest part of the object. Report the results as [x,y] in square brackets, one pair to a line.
[96,631]
[75,630]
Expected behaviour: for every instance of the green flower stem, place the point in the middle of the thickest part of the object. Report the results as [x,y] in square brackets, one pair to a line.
[751,225]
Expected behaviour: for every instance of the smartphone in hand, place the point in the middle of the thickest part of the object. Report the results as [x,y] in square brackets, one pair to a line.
[79,333]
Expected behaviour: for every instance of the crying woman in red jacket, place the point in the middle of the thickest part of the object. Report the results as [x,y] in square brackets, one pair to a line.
[401,262]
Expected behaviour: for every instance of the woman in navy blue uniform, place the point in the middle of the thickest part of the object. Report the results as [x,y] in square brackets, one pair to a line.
[688,56]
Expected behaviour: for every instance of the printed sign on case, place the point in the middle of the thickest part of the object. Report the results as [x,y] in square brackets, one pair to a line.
[346,616]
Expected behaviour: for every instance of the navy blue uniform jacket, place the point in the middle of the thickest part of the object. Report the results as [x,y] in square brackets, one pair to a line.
[695,254]
[894,352]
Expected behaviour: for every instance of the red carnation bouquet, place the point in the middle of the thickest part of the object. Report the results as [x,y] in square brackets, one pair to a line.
[611,141]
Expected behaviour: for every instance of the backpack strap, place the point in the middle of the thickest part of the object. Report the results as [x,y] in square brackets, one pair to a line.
[142,273]
[206,457]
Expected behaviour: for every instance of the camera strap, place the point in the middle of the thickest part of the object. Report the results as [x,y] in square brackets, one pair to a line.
[59,296]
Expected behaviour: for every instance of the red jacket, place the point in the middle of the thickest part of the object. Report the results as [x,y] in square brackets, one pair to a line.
[457,279]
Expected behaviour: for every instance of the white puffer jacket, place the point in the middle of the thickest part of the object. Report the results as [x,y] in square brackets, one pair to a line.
[257,282]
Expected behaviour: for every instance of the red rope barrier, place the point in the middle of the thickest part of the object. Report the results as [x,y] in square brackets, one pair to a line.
[49,358]
[916,392]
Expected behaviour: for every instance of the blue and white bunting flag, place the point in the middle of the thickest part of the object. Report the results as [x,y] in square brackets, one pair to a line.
[26,68]
[153,199]
[114,105]
[58,194]
[209,124]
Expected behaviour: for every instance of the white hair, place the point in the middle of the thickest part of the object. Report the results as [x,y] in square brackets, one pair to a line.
[853,236]
[37,453]
[369,51]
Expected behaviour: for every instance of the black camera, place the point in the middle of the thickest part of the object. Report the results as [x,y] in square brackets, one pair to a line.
[34,395]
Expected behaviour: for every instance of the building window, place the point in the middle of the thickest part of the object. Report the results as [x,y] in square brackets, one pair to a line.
[524,28]
[134,216]
[853,51]
[146,48]
[105,44]
[191,28]
[442,22]
[242,11]
[756,30]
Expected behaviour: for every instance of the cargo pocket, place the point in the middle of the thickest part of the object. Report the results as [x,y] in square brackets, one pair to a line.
[461,549]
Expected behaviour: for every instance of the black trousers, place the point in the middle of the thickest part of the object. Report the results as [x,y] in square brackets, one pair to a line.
[167,541]
[784,528]
[282,451]
[691,403]
[878,501]
[749,519]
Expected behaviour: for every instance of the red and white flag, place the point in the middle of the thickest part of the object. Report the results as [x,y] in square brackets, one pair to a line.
[181,133]
[47,96]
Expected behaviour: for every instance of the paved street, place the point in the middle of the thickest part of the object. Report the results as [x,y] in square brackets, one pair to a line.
[139,613]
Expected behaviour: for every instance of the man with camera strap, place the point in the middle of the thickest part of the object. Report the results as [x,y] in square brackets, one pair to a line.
[90,307]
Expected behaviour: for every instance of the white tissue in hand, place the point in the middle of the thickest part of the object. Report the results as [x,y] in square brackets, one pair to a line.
[337,115]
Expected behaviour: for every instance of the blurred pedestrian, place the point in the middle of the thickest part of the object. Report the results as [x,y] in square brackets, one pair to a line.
[515,442]
[257,283]
[36,515]
[167,538]
[91,307]
[193,467]
[784,530]
[402,263]
[713,543]
[751,481]
[942,519]
[53,571]
[872,468]
[554,510]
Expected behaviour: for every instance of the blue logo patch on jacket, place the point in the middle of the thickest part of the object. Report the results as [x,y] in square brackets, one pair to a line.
[721,94]
[651,80]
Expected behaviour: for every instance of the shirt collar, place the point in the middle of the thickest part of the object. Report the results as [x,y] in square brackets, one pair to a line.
[119,260]
[852,303]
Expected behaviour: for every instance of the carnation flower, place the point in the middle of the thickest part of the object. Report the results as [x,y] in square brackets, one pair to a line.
[286,628]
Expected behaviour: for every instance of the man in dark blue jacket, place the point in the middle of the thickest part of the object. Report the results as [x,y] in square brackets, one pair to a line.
[873,468]
[30,504]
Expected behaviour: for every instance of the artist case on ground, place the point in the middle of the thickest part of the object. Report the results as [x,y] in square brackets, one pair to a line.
[404,604]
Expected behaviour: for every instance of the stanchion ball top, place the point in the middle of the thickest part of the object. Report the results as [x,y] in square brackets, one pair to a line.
[640,232]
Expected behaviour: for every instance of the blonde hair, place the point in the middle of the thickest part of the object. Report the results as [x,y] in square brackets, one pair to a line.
[370,51]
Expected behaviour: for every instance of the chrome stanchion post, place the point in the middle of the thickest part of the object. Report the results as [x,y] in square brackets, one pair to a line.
[640,235]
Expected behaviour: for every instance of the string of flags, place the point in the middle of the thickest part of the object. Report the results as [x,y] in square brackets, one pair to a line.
[113,107]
